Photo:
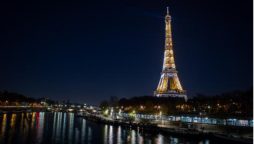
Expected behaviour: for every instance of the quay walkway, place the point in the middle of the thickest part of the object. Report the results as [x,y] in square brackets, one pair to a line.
[239,134]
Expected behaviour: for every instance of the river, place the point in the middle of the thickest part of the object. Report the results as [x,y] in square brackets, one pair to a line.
[63,128]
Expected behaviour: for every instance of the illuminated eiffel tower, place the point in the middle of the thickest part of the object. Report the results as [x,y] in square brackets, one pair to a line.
[169,84]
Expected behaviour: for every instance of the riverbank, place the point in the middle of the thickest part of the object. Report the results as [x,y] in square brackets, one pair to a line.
[62,127]
[196,132]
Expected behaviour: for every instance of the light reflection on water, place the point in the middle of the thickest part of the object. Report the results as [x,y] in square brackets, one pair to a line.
[119,135]
[83,131]
[58,128]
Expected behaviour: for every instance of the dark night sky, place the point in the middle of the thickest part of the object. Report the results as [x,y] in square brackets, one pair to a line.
[87,52]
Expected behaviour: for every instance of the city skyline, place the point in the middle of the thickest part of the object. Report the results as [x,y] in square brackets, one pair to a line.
[88,52]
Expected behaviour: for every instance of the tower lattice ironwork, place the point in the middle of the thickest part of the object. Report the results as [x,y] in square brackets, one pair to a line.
[169,84]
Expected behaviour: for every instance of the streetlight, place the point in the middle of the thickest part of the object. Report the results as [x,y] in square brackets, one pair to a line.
[111,112]
[161,117]
[119,113]
[106,112]
[133,114]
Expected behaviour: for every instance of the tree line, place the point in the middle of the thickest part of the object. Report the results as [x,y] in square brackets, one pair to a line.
[237,104]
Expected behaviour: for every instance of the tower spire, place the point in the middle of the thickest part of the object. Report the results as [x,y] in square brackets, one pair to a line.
[167,10]
[168,56]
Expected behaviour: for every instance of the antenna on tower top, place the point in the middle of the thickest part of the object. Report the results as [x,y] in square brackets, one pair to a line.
[167,10]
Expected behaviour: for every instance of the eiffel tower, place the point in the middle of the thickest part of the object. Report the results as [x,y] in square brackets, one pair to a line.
[169,84]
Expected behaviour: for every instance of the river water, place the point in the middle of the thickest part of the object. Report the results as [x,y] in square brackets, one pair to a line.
[63,128]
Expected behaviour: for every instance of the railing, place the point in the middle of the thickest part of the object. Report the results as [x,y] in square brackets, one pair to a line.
[189,119]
